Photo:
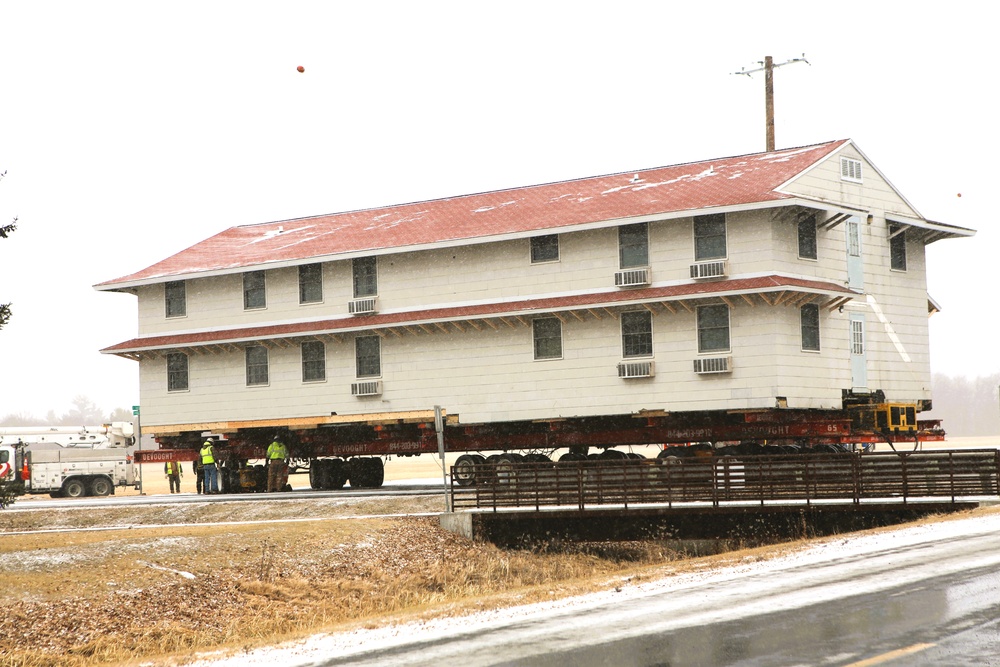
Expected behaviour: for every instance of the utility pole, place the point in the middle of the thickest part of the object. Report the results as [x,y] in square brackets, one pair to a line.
[768,67]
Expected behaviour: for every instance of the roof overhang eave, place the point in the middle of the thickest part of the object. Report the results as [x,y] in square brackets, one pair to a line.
[936,230]
[834,296]
[129,285]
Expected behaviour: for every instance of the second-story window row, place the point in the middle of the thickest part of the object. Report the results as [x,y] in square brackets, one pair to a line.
[254,290]
[311,283]
[175,298]
[365,270]
[633,246]
[710,237]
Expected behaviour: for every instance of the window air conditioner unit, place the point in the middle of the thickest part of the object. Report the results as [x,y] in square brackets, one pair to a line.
[632,277]
[706,365]
[366,388]
[635,369]
[362,306]
[709,270]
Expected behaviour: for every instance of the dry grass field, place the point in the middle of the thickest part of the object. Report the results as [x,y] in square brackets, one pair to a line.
[159,584]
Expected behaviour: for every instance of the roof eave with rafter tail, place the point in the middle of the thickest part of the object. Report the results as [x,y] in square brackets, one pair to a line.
[602,201]
[771,290]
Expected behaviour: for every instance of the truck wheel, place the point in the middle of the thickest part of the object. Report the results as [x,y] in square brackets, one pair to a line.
[100,486]
[336,474]
[73,488]
[464,473]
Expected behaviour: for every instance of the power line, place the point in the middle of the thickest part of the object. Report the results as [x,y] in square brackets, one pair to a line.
[767,66]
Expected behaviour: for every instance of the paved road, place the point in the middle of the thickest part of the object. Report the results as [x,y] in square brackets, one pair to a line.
[933,601]
[27,503]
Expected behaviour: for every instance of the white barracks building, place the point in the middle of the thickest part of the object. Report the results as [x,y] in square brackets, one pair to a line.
[781,279]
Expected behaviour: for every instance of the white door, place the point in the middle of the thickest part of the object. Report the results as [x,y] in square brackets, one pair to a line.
[859,358]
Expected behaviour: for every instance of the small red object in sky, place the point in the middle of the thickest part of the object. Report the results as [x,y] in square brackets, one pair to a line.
[301,68]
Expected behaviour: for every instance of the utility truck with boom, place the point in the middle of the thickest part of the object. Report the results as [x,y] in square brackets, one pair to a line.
[68,461]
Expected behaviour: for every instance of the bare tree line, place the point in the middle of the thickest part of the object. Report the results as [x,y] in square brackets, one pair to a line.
[966,406]
[84,413]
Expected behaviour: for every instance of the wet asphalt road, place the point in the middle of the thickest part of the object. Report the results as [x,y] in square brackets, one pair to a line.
[932,603]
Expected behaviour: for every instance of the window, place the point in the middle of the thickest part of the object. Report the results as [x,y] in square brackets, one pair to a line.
[637,334]
[633,245]
[850,170]
[897,248]
[544,248]
[313,361]
[256,365]
[853,238]
[177,371]
[365,277]
[857,337]
[310,283]
[807,238]
[713,328]
[254,293]
[368,356]
[175,298]
[547,334]
[809,319]
[710,236]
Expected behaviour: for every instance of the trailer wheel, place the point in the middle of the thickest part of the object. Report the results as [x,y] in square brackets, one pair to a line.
[366,473]
[314,480]
[73,488]
[464,473]
[335,474]
[100,486]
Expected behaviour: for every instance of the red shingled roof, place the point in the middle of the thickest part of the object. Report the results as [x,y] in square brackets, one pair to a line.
[728,181]
[772,283]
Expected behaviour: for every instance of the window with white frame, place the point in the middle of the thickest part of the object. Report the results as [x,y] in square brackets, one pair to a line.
[857,337]
[365,276]
[853,238]
[544,248]
[311,283]
[850,170]
[633,245]
[637,334]
[809,322]
[256,359]
[254,291]
[710,237]
[897,248]
[713,328]
[547,335]
[313,361]
[177,371]
[175,298]
[807,238]
[368,356]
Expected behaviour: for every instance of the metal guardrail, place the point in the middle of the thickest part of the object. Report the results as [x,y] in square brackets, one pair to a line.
[848,476]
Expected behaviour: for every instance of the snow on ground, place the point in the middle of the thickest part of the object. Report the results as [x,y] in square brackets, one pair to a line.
[345,644]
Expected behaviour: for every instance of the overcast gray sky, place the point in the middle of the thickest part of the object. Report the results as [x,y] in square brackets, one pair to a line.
[132,130]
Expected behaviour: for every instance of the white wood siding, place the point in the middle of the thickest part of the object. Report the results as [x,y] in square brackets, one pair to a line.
[491,375]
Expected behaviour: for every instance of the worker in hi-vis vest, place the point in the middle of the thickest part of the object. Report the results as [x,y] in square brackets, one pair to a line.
[173,472]
[277,465]
[209,467]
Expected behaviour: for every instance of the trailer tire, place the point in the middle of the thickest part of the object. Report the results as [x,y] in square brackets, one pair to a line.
[335,474]
[464,472]
[101,486]
[74,488]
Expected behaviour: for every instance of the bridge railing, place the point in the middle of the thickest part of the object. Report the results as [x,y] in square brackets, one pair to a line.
[790,478]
